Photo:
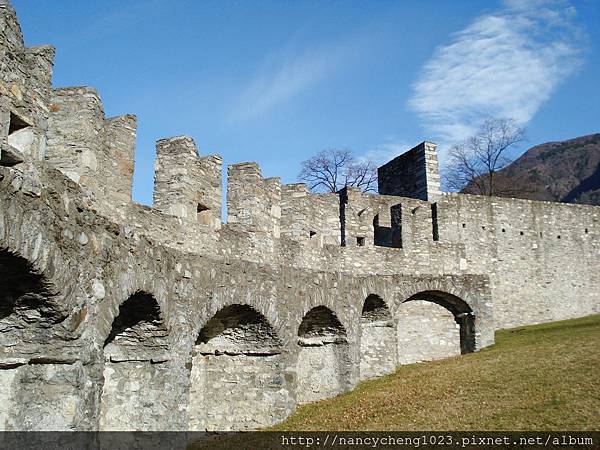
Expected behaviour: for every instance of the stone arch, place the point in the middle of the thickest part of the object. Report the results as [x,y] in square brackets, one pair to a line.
[378,339]
[248,296]
[135,370]
[132,276]
[238,355]
[323,365]
[29,240]
[434,324]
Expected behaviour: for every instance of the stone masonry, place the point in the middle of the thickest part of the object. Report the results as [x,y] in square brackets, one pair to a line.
[119,316]
[413,174]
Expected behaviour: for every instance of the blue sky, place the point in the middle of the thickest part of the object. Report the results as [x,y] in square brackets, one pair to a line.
[277,81]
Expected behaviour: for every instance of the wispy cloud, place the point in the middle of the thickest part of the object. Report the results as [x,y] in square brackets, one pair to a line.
[506,63]
[287,74]
[111,20]
[385,152]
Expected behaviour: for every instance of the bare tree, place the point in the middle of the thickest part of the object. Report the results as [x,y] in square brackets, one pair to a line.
[474,163]
[333,169]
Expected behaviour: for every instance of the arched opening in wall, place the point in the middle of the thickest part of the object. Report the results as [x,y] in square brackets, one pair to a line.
[23,295]
[239,378]
[377,340]
[30,307]
[323,358]
[434,325]
[135,368]
[33,363]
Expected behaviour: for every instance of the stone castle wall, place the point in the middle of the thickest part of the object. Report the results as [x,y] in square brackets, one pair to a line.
[115,315]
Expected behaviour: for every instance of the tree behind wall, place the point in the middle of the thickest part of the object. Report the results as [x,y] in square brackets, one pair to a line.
[472,165]
[333,169]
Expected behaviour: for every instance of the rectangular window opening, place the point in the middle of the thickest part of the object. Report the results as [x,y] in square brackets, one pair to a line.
[360,241]
[312,234]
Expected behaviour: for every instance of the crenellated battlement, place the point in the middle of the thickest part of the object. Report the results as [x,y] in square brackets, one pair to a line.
[25,85]
[253,202]
[185,184]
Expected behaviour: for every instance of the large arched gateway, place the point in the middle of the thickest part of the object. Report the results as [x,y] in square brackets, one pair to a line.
[433,325]
[238,377]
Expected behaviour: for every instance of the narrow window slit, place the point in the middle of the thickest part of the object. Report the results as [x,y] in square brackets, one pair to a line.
[434,222]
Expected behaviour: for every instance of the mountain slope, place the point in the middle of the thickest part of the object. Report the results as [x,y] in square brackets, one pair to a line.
[565,171]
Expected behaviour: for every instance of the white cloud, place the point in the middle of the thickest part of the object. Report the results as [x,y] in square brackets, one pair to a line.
[385,152]
[505,64]
[112,20]
[285,75]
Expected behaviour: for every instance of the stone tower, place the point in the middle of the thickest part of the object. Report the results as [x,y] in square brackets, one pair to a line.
[413,174]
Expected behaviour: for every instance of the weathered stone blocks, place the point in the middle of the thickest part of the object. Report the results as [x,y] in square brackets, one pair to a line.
[120,316]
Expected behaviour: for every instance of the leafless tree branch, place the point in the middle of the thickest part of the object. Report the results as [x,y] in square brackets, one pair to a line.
[333,169]
[473,164]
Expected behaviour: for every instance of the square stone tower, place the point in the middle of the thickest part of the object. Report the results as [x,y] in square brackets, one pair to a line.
[414,174]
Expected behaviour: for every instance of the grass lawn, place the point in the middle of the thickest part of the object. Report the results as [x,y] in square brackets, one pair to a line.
[542,377]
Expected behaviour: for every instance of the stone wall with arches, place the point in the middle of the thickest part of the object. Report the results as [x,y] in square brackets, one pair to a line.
[126,333]
[120,316]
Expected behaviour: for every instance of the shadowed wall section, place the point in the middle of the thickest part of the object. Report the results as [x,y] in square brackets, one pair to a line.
[238,356]
[323,357]
[135,369]
[23,299]
[37,391]
[378,339]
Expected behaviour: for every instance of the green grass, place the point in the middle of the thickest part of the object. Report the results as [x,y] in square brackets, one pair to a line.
[542,377]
